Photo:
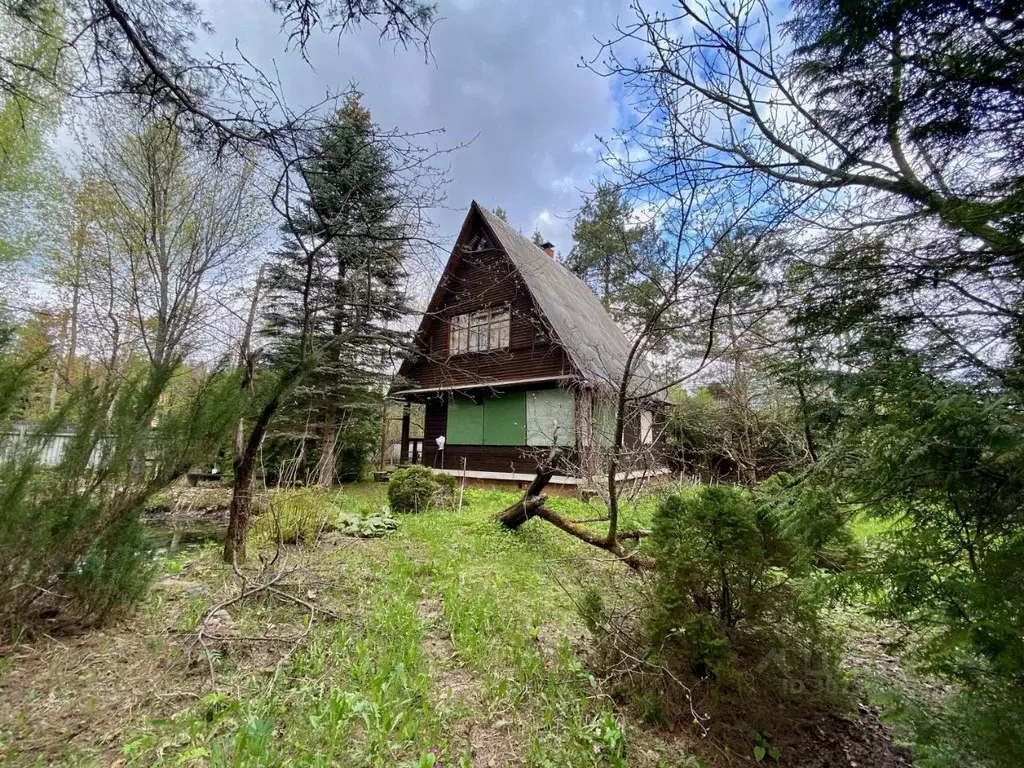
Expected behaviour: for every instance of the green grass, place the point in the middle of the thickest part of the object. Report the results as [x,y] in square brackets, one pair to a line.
[457,644]
[868,530]
[448,597]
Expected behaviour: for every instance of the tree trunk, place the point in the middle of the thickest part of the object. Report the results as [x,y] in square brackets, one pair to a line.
[55,376]
[241,511]
[403,449]
[382,458]
[325,469]
[517,514]
[241,462]
[73,327]
[244,464]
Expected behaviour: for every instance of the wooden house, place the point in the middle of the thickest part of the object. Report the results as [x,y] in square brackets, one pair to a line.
[515,353]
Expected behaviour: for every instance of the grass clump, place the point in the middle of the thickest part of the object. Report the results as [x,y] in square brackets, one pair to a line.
[302,516]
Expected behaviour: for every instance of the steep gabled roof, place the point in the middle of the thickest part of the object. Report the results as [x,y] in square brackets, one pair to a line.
[580,325]
[595,344]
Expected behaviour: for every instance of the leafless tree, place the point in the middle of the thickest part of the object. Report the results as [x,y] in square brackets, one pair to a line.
[726,90]
[673,336]
[181,229]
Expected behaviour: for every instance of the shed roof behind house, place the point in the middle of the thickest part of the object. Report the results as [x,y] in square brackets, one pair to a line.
[597,346]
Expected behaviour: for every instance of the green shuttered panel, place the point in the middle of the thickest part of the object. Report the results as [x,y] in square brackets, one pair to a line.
[547,409]
[465,422]
[505,419]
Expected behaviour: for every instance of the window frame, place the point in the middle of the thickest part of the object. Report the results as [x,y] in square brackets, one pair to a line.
[478,329]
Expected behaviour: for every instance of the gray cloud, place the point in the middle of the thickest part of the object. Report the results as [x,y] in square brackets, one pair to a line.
[503,72]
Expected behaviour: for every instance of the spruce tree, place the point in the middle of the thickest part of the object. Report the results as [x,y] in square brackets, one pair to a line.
[347,319]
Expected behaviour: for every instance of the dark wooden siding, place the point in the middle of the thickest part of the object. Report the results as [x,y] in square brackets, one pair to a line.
[486,279]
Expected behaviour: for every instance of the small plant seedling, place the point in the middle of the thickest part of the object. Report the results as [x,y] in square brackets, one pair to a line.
[763,747]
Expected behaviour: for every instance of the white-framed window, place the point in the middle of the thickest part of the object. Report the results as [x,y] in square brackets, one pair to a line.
[480,331]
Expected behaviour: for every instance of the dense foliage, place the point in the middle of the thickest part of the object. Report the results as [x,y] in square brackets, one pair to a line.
[733,599]
[71,541]
[418,488]
[714,437]
[871,153]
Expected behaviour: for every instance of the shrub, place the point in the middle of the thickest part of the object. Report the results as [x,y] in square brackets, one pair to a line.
[412,489]
[115,572]
[711,435]
[730,600]
[417,489]
[73,529]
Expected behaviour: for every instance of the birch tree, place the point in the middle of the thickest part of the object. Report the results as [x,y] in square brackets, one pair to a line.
[181,230]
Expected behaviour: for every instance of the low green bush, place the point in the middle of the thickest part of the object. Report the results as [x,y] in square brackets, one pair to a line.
[731,600]
[417,489]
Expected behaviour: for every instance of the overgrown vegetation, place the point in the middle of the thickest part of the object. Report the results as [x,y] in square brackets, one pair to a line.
[304,516]
[730,588]
[418,489]
[70,536]
[814,229]
[453,642]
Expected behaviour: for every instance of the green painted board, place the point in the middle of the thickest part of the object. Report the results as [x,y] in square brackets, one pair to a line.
[465,422]
[505,419]
[550,417]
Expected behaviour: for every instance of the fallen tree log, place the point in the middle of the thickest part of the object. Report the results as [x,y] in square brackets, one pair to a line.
[515,515]
[631,557]
[532,504]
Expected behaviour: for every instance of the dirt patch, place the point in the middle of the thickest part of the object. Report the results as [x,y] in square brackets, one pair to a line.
[491,742]
[183,505]
[862,740]
[79,694]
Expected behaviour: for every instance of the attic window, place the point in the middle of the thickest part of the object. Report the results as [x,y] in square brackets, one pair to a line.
[477,243]
[480,331]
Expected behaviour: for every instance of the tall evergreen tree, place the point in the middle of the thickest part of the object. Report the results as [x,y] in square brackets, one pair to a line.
[604,238]
[348,315]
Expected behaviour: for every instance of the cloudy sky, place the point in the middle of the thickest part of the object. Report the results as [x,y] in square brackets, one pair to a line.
[504,76]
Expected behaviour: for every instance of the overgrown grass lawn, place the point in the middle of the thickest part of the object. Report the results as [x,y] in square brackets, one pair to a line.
[452,643]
